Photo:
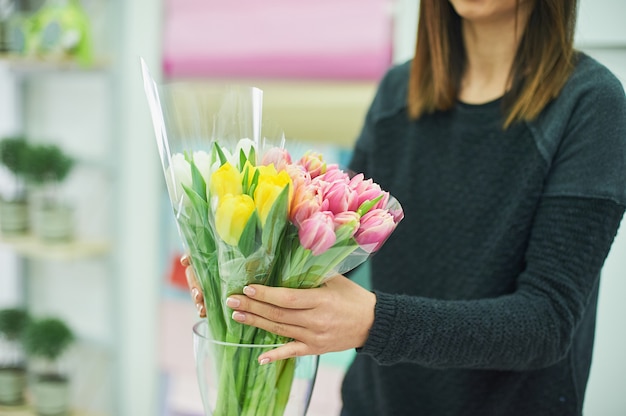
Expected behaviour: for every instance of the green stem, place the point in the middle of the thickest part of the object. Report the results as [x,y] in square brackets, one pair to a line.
[226,401]
[283,385]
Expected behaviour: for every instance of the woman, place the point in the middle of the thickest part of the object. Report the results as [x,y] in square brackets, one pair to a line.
[507,150]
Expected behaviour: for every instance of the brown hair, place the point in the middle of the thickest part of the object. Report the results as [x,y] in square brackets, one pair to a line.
[542,64]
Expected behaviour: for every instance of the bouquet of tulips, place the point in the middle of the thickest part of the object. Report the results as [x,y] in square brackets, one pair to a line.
[249,213]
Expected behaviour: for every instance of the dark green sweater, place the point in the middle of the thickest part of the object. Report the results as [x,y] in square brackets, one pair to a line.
[487,291]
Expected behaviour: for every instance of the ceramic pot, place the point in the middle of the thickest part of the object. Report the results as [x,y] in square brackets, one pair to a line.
[12,386]
[51,395]
[54,223]
[14,219]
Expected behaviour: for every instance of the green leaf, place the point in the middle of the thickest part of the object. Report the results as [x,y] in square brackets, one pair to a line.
[247,241]
[367,205]
[220,153]
[276,221]
[253,183]
[244,181]
[197,182]
[252,156]
[242,159]
[199,204]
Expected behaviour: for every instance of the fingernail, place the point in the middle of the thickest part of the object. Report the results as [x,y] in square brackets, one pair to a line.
[196,294]
[232,302]
[239,317]
[249,291]
[264,361]
[200,308]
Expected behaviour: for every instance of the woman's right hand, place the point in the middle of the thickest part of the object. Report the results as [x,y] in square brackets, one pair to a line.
[194,286]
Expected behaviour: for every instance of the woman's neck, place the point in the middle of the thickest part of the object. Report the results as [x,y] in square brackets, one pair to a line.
[490,51]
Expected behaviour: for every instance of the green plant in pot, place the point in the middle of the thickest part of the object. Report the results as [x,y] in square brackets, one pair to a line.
[14,205]
[13,322]
[45,341]
[47,166]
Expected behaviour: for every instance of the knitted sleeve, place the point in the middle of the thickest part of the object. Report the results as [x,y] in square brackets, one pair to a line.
[530,328]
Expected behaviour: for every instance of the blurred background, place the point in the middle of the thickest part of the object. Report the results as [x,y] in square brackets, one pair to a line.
[98,248]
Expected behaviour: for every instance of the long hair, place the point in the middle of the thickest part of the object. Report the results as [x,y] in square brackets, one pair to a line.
[542,64]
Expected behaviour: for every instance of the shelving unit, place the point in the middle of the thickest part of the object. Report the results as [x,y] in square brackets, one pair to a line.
[59,101]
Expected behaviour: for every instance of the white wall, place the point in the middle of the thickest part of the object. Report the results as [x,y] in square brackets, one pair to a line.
[602,34]
[607,382]
[137,210]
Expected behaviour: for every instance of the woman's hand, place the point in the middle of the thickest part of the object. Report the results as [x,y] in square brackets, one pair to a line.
[194,286]
[334,317]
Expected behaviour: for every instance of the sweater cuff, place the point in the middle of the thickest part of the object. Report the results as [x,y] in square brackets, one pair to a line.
[384,321]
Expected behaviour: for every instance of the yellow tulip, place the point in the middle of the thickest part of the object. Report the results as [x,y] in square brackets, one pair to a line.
[232,215]
[269,187]
[225,180]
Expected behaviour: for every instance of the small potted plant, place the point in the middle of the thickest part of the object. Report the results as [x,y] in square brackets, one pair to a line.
[14,207]
[13,321]
[47,166]
[45,341]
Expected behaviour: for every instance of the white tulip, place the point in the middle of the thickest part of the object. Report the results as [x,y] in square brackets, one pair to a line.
[202,160]
[177,174]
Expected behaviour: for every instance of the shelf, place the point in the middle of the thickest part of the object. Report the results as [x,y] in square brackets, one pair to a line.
[33,65]
[28,411]
[30,246]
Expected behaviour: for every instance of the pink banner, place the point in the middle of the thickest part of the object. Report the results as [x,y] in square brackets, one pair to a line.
[314,39]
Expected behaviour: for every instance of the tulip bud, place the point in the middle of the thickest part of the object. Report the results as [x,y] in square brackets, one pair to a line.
[313,163]
[269,187]
[318,233]
[369,191]
[178,174]
[376,226]
[339,197]
[203,162]
[225,180]
[346,224]
[232,215]
[305,204]
[278,157]
[334,174]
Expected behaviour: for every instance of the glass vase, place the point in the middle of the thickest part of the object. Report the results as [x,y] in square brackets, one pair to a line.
[232,383]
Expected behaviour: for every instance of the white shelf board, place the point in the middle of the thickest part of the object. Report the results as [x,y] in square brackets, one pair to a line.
[29,411]
[33,247]
[33,65]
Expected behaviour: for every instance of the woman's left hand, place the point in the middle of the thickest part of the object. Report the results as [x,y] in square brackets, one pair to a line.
[334,317]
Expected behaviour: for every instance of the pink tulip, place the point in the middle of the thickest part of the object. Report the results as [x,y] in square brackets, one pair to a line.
[346,224]
[334,174]
[369,191]
[376,226]
[318,233]
[277,156]
[339,197]
[358,183]
[314,163]
[299,176]
[304,209]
